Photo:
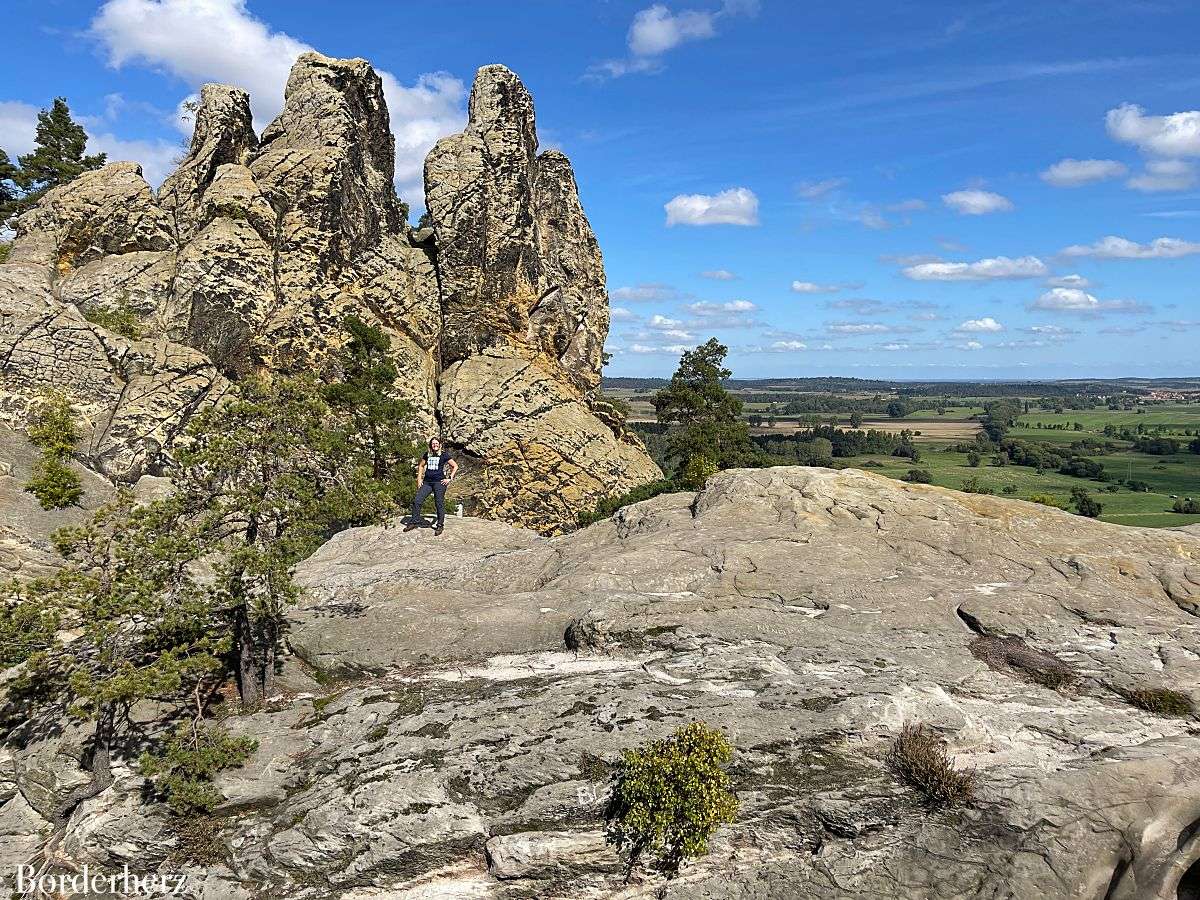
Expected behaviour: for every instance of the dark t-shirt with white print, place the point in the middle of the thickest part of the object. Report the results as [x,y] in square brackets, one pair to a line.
[435,464]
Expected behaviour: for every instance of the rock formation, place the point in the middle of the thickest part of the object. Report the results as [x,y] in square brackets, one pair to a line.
[256,248]
[452,721]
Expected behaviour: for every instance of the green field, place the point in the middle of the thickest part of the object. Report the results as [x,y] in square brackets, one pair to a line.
[1166,475]
[1173,417]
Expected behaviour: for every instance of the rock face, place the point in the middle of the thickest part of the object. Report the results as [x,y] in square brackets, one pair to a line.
[475,701]
[255,250]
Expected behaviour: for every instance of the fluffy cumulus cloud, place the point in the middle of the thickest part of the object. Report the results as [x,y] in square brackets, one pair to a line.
[656,30]
[1075,172]
[976,202]
[736,206]
[220,40]
[1162,175]
[666,327]
[1173,135]
[999,267]
[621,314]
[719,275]
[1113,247]
[985,324]
[788,346]
[1074,300]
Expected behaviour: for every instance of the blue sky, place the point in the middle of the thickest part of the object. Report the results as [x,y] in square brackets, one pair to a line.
[930,190]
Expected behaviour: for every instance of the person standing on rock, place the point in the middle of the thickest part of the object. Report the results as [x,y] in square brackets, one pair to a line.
[434,473]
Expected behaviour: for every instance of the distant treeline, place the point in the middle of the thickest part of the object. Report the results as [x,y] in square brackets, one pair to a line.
[947,389]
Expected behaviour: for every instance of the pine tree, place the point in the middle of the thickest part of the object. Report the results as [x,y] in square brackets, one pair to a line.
[10,191]
[123,621]
[708,418]
[57,158]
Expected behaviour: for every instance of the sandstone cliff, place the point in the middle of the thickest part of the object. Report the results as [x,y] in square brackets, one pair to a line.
[470,706]
[256,248]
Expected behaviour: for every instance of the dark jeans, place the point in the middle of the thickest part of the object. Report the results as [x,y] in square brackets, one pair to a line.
[439,501]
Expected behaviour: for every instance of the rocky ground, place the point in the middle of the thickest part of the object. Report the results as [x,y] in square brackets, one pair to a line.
[455,705]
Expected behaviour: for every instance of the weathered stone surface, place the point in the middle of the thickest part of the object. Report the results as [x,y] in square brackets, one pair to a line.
[140,281]
[133,397]
[111,210]
[546,453]
[807,613]
[223,134]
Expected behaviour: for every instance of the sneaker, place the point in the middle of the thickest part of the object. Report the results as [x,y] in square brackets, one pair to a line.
[411,526]
[438,529]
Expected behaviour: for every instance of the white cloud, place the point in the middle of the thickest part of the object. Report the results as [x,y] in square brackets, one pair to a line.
[985,324]
[1073,300]
[705,308]
[1113,247]
[736,206]
[783,346]
[668,348]
[719,275]
[971,345]
[1069,281]
[220,40]
[1162,175]
[913,205]
[1051,330]
[1173,135]
[620,313]
[655,30]
[814,190]
[18,124]
[975,202]
[983,270]
[658,321]
[811,287]
[1076,172]
[647,291]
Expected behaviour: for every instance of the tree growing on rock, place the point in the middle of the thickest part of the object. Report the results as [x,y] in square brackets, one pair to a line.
[58,157]
[125,620]
[53,430]
[706,418]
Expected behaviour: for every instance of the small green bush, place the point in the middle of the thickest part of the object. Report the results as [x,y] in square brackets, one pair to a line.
[1048,500]
[698,470]
[919,757]
[973,485]
[1160,701]
[54,483]
[669,797]
[918,476]
[52,428]
[1186,505]
[610,505]
[5,249]
[184,771]
[120,319]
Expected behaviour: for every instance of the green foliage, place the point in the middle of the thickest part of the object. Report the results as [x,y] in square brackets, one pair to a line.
[425,220]
[5,247]
[706,418]
[918,476]
[1049,500]
[919,757]
[376,422]
[27,624]
[669,797]
[1085,503]
[57,157]
[183,771]
[610,505]
[55,484]
[121,319]
[52,428]
[973,459]
[973,485]
[1160,701]
[697,471]
[1186,505]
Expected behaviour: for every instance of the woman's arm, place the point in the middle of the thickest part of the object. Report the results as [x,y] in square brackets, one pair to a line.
[420,472]
[451,468]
